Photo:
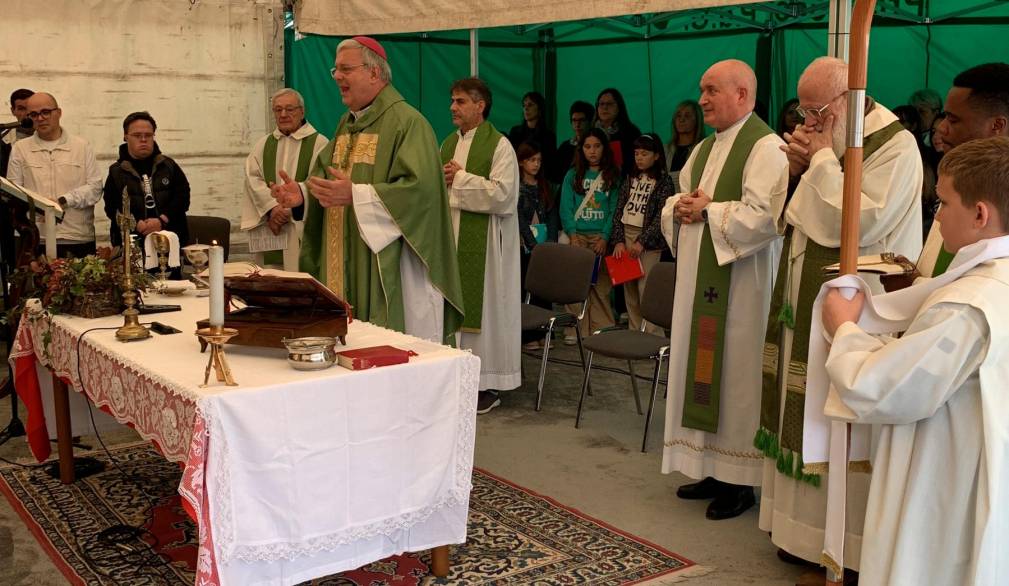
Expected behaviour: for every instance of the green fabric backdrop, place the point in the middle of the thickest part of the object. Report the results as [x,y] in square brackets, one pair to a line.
[654,75]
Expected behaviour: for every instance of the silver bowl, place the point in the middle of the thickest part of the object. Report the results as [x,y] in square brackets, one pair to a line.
[311,353]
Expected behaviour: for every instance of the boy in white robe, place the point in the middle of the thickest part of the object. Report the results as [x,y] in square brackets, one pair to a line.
[939,497]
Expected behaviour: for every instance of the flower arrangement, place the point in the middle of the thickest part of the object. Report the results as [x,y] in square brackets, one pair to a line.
[87,287]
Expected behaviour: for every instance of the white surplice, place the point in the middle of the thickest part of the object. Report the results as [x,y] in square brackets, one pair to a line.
[258,201]
[938,500]
[498,344]
[890,221]
[744,235]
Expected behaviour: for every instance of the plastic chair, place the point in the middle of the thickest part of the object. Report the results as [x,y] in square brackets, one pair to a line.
[631,345]
[560,274]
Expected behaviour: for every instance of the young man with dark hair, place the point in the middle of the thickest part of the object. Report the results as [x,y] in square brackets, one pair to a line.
[939,496]
[164,207]
[19,110]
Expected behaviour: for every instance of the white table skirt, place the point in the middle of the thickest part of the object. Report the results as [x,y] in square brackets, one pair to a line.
[292,475]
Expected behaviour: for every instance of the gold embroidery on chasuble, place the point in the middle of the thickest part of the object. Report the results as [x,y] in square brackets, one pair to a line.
[345,155]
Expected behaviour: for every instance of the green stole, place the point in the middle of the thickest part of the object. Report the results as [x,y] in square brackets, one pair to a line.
[473,226]
[711,294]
[784,443]
[270,175]
[942,261]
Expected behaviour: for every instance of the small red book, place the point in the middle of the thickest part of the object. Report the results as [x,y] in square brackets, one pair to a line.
[624,269]
[364,358]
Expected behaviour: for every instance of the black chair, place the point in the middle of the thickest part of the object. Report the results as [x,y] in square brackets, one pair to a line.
[559,274]
[206,229]
[631,345]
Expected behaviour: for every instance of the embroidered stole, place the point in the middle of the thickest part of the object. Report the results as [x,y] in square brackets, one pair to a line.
[711,294]
[270,175]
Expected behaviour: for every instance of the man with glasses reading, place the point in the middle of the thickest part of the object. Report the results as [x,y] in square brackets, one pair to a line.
[62,167]
[291,149]
[158,189]
[377,230]
[793,499]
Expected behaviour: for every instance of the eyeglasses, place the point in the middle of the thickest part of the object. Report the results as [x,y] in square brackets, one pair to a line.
[141,135]
[286,110]
[345,69]
[606,105]
[816,113]
[42,113]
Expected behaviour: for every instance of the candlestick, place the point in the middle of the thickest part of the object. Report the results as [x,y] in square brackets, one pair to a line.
[216,286]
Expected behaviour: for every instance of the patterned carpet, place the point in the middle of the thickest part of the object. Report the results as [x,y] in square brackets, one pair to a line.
[516,537]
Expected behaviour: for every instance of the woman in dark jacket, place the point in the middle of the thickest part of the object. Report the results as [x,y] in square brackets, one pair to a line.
[612,118]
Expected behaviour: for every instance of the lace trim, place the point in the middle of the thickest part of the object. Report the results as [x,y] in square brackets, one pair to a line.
[715,449]
[224,537]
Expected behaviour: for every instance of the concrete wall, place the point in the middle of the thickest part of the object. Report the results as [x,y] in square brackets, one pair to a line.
[204,70]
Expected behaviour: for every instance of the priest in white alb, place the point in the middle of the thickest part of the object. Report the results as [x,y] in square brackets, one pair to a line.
[793,497]
[289,150]
[938,503]
[734,187]
[482,175]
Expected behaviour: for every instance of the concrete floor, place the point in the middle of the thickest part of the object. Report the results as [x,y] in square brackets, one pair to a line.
[597,469]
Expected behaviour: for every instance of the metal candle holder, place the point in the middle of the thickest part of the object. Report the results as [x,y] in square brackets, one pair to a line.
[217,337]
[131,329]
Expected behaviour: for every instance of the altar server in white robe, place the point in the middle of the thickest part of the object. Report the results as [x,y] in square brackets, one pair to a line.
[939,495]
[734,187]
[482,175]
[289,150]
[793,501]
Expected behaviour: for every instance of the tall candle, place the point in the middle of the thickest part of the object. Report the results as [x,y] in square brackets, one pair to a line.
[216,286]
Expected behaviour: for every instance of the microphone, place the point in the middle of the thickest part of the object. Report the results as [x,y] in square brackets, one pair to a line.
[25,124]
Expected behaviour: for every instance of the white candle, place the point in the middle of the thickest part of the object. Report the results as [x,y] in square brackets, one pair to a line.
[216,286]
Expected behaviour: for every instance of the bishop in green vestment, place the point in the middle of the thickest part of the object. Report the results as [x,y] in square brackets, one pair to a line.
[378,230]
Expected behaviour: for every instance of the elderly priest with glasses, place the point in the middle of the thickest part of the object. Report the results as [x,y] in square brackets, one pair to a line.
[62,167]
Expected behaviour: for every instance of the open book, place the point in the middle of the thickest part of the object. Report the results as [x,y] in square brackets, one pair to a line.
[248,269]
[885,263]
[42,202]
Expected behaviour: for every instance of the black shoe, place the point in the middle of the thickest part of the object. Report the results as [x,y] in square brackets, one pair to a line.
[731,502]
[706,489]
[487,401]
[794,559]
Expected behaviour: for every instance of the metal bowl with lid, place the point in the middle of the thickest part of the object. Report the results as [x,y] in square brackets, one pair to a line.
[315,353]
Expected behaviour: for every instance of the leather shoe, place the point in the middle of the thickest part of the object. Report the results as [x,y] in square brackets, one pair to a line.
[708,488]
[731,502]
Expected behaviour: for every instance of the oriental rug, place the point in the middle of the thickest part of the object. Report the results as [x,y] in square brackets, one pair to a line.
[516,536]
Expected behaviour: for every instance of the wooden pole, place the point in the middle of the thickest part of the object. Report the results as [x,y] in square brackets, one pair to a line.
[64,435]
[852,191]
[439,561]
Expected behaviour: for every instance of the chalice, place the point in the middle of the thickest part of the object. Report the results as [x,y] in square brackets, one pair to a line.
[198,255]
[162,245]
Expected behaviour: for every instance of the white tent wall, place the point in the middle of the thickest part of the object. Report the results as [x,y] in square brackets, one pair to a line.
[204,70]
[371,17]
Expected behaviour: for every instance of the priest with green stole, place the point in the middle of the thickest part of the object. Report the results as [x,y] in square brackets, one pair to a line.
[482,175]
[291,149]
[733,185]
[378,230]
[793,497]
[977,106]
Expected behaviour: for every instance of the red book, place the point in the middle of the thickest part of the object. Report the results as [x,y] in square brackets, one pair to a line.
[364,358]
[624,269]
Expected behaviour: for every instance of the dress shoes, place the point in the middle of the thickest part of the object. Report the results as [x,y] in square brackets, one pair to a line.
[708,488]
[732,501]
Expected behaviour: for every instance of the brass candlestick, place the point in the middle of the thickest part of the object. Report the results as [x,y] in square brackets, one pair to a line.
[131,329]
[217,336]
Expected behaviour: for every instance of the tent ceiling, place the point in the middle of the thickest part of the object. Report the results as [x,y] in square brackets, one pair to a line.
[356,17]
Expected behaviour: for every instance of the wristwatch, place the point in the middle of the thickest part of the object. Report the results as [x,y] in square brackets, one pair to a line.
[704,215]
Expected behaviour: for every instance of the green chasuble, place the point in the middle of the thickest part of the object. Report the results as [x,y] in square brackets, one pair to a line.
[711,295]
[784,443]
[391,147]
[473,226]
[270,175]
